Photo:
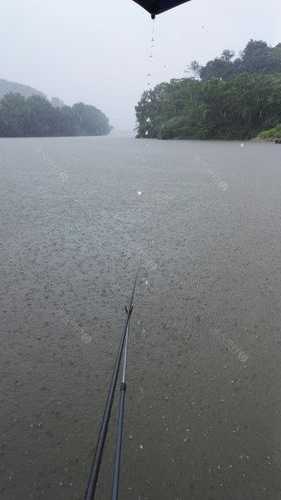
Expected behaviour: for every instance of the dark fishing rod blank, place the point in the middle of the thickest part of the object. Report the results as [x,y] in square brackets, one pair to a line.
[96,464]
[120,424]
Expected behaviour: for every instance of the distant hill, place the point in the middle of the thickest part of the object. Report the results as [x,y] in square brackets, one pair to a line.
[7,87]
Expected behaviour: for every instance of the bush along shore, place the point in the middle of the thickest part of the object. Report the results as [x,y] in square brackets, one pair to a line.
[271,135]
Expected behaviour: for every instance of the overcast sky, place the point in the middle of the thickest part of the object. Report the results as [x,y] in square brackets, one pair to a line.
[97,51]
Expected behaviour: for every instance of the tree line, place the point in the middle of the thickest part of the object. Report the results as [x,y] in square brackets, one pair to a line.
[225,99]
[35,116]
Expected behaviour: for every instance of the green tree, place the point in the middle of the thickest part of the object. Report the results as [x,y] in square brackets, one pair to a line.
[35,116]
[235,98]
[12,115]
[90,120]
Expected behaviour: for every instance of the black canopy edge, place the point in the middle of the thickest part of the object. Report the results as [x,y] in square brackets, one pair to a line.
[154,7]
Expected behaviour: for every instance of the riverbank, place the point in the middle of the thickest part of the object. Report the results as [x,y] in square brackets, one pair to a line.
[270,135]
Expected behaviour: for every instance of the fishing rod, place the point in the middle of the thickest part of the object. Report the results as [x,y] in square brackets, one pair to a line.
[96,464]
[120,424]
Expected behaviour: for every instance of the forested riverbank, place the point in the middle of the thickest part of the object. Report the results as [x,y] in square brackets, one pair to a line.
[35,116]
[228,98]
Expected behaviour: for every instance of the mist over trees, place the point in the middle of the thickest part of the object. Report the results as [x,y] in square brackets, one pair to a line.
[35,116]
[8,87]
[228,98]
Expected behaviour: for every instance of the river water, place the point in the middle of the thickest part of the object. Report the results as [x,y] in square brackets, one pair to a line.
[203,220]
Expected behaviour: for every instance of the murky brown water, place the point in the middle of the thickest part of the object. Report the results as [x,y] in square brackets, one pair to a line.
[204,400]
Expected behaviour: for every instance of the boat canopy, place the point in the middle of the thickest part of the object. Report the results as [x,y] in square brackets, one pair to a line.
[155,7]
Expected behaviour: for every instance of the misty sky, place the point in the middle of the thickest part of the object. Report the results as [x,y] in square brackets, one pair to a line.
[97,51]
